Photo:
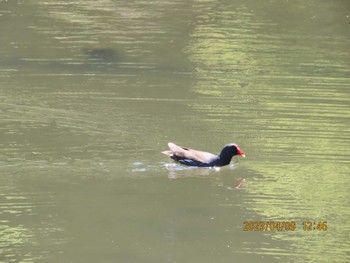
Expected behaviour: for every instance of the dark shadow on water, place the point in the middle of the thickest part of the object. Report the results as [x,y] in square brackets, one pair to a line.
[102,54]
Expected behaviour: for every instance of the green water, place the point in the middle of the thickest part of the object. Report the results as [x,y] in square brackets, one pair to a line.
[92,91]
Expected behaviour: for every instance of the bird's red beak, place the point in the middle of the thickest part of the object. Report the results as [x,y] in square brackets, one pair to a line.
[239,152]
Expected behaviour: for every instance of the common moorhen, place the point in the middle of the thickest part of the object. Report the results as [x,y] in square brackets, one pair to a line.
[191,157]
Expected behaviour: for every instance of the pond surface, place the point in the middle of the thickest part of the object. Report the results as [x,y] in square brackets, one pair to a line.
[92,92]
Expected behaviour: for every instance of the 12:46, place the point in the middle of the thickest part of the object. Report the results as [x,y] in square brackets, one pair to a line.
[309,226]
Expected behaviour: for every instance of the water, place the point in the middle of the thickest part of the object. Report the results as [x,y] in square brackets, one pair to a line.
[92,92]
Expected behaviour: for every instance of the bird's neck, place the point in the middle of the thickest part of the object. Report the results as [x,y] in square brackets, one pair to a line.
[225,159]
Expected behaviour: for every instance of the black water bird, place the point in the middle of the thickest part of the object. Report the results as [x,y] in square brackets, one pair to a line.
[192,157]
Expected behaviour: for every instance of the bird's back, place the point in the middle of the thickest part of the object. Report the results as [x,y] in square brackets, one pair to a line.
[181,153]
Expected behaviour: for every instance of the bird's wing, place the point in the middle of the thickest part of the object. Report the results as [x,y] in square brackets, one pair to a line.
[186,153]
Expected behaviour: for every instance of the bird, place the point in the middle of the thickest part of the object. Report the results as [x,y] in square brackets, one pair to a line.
[192,157]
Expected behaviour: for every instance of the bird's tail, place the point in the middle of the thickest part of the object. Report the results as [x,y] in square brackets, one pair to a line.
[170,152]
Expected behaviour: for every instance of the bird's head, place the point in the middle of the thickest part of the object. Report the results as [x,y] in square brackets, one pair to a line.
[231,150]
